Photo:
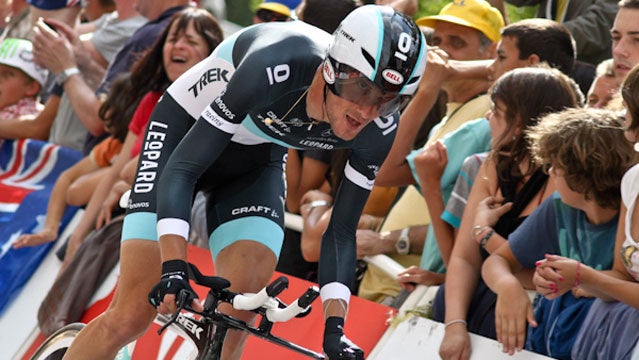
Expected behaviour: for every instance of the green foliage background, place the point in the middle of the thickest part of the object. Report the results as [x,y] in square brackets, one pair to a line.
[241,11]
[432,7]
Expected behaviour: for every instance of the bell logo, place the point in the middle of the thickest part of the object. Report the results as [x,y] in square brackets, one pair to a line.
[329,72]
[392,76]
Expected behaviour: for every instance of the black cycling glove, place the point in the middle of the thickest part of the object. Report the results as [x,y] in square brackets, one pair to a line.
[336,345]
[174,279]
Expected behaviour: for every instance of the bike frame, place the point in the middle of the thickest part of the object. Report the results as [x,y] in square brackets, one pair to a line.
[208,332]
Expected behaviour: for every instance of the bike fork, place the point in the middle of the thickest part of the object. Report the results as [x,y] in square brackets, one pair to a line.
[213,349]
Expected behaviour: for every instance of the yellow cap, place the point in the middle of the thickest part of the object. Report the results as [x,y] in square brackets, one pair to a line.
[276,7]
[476,14]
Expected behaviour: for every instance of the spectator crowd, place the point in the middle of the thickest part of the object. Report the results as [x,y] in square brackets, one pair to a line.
[511,184]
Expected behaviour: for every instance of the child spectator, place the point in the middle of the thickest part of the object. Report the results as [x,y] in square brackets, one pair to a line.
[587,156]
[20,81]
[524,43]
[508,187]
[608,332]
[76,184]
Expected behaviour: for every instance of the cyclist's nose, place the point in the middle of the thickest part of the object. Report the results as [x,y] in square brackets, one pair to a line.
[367,112]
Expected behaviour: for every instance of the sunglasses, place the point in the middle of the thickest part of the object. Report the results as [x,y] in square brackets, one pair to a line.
[354,87]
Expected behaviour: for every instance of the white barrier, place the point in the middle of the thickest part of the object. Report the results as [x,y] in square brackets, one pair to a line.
[416,336]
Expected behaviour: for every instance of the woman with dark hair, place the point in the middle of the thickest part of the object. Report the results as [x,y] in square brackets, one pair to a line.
[508,187]
[190,37]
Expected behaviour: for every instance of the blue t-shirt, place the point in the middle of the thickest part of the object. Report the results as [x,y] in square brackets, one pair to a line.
[556,228]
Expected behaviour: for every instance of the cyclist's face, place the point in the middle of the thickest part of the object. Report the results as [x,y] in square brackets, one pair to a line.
[347,119]
[183,49]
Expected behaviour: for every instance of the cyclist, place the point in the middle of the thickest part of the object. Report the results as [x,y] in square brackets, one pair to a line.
[270,87]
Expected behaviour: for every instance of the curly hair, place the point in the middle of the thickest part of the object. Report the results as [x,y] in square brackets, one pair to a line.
[630,94]
[589,146]
[528,93]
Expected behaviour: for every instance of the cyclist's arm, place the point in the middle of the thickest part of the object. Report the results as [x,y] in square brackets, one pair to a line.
[339,250]
[202,144]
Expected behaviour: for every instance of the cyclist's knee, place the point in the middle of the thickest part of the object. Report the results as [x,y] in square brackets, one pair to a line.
[232,265]
[127,323]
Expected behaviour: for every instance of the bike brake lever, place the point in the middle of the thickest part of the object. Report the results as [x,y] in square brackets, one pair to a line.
[181,300]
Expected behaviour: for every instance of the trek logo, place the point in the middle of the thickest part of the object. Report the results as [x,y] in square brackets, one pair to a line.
[255,209]
[152,148]
[211,75]
[190,325]
[222,106]
[348,36]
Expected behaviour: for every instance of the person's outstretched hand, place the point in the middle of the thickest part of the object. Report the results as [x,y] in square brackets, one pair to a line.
[42,237]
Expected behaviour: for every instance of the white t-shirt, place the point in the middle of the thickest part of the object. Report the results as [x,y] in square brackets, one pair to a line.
[629,194]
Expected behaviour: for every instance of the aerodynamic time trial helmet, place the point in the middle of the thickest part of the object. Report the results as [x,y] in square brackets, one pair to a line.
[377,58]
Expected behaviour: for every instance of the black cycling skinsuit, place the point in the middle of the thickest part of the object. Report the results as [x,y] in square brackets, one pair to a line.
[236,157]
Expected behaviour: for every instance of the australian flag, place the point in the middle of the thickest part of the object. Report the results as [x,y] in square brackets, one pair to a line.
[28,171]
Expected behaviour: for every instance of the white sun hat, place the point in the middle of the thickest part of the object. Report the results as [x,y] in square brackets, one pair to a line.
[18,53]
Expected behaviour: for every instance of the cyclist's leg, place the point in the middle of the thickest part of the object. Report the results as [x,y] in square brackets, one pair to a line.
[233,263]
[129,314]
[248,236]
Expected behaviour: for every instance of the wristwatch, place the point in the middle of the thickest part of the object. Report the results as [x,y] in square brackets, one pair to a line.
[403,243]
[65,74]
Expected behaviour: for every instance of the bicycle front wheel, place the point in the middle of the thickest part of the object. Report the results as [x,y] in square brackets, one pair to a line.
[56,345]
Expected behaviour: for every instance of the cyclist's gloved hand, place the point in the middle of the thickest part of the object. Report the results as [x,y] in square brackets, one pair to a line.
[174,279]
[336,345]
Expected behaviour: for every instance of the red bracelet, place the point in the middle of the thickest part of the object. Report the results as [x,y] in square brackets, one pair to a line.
[577,273]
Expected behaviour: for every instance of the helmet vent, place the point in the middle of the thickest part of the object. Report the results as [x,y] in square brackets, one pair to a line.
[412,80]
[368,57]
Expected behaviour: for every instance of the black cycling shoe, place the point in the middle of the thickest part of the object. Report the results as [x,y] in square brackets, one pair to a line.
[336,345]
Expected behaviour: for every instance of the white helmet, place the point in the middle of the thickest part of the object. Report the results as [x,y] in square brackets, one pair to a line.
[381,44]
